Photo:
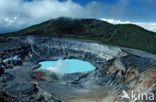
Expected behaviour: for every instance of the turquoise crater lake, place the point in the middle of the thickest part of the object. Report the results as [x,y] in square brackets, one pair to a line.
[67,66]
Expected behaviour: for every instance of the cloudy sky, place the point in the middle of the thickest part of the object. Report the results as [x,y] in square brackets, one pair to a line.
[18,14]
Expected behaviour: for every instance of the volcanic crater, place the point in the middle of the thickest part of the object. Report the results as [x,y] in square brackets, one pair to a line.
[116,69]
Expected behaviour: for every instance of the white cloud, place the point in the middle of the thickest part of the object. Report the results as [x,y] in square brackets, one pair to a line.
[147,25]
[18,14]
[10,21]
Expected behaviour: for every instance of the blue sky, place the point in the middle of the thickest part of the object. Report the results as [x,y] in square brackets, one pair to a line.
[134,10]
[18,14]
[84,2]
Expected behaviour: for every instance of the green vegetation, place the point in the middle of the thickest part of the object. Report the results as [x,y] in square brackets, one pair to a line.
[127,35]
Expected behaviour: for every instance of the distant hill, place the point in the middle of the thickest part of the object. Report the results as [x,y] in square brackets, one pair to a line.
[127,35]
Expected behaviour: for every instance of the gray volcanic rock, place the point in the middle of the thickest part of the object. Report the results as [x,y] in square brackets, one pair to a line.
[21,88]
[5,77]
[1,69]
[44,75]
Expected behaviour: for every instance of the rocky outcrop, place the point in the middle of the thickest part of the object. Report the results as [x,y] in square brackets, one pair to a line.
[1,69]
[44,75]
[11,90]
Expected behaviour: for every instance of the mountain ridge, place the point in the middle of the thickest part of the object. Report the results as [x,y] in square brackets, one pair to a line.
[126,35]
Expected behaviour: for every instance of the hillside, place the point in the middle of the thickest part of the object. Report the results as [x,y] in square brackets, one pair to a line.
[127,35]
